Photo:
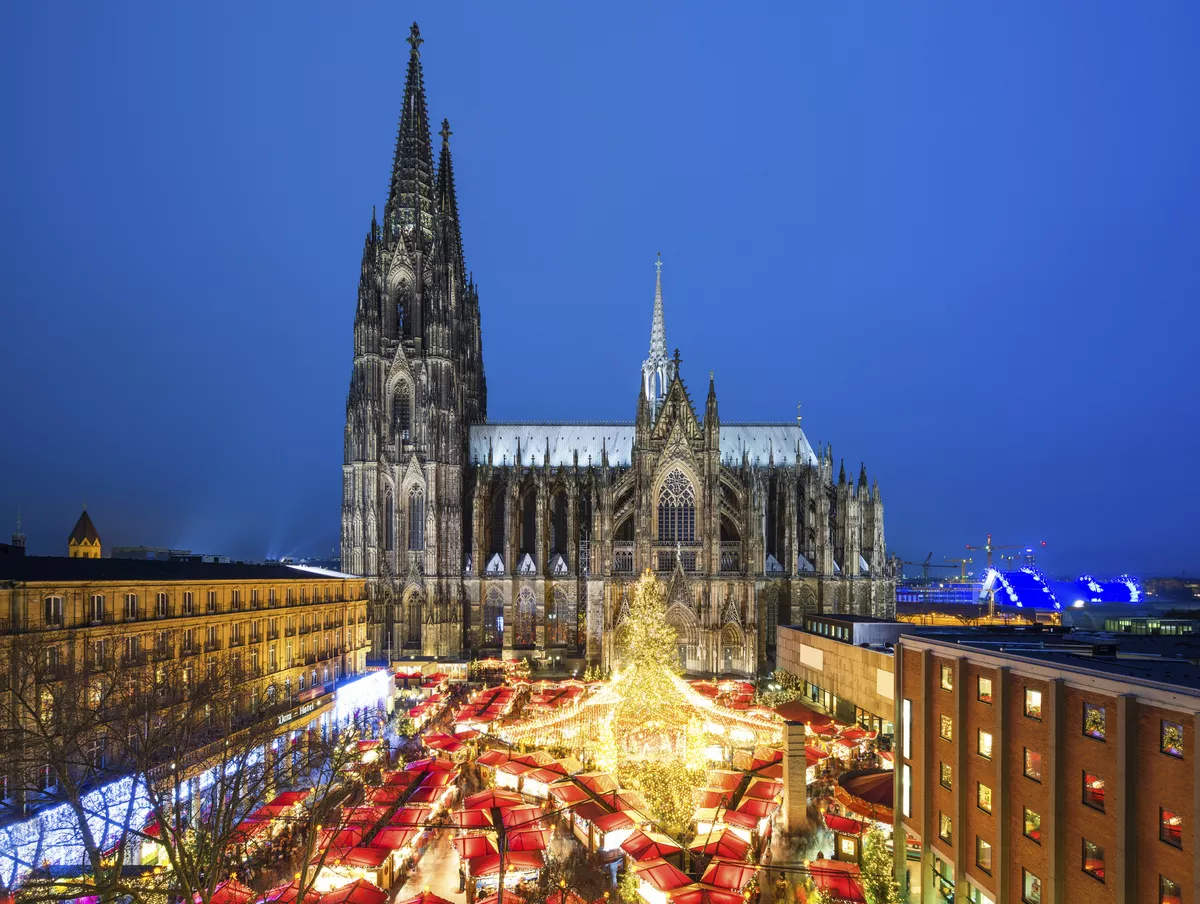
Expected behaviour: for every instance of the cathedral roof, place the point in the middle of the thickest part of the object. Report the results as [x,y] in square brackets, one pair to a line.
[84,530]
[756,440]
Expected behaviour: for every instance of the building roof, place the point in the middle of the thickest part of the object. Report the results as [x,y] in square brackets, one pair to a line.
[758,441]
[61,569]
[84,530]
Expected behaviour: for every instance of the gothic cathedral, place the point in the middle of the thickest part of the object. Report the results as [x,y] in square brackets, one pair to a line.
[521,539]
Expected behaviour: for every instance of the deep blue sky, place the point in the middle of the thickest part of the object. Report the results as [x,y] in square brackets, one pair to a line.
[964,234]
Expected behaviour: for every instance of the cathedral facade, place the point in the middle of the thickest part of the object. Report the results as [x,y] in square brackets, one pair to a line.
[524,539]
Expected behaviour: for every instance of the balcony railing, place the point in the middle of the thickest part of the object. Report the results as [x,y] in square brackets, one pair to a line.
[622,558]
[665,555]
[731,557]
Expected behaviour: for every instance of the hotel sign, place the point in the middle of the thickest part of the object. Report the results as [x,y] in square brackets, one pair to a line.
[302,710]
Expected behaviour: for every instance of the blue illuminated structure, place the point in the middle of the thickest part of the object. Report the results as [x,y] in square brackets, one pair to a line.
[1030,589]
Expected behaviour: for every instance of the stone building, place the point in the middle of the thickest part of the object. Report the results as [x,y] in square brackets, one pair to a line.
[485,538]
[84,542]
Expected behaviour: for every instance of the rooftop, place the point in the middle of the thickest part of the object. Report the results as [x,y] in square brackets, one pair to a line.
[61,569]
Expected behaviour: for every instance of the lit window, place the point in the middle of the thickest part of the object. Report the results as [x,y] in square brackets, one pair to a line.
[983,855]
[1094,721]
[1033,826]
[985,690]
[943,873]
[1033,709]
[947,678]
[1168,891]
[906,790]
[1172,739]
[1093,791]
[1093,860]
[985,744]
[1033,765]
[906,729]
[946,729]
[946,779]
[1170,827]
[1031,888]
[975,896]
[945,827]
[983,797]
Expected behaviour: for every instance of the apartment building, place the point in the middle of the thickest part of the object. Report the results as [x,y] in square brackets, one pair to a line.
[282,637]
[1048,769]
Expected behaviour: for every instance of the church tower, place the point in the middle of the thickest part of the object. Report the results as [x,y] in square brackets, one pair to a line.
[84,542]
[416,385]
[657,370]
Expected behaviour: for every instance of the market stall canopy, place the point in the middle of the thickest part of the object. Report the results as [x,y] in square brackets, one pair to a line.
[365,857]
[528,840]
[728,874]
[711,798]
[721,843]
[231,891]
[472,819]
[427,897]
[471,846]
[724,779]
[704,894]
[614,821]
[410,816]
[868,792]
[393,838]
[514,861]
[399,779]
[642,845]
[764,789]
[526,816]
[797,711]
[359,891]
[568,792]
[510,897]
[662,875]
[842,880]
[431,764]
[486,800]
[290,798]
[492,758]
[426,795]
[289,893]
[843,825]
[597,782]
[757,808]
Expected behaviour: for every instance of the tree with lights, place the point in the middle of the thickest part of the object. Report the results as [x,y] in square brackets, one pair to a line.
[878,870]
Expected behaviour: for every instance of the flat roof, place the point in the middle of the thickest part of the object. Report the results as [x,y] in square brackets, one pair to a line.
[63,569]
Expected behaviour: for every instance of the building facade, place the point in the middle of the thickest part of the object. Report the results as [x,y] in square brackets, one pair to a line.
[1029,772]
[285,638]
[483,538]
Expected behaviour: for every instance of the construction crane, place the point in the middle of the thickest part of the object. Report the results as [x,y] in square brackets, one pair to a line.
[961,565]
[990,547]
[925,566]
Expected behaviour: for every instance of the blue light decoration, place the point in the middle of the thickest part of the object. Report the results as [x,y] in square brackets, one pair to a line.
[1030,588]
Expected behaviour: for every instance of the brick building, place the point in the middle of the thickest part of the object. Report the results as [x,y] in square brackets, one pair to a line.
[1037,767]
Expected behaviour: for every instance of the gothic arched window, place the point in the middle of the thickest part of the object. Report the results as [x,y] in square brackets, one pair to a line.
[416,520]
[402,413]
[414,619]
[524,618]
[493,619]
[676,510]
[559,620]
[389,521]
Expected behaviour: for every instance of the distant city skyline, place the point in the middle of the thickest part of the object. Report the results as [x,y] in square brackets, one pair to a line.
[965,239]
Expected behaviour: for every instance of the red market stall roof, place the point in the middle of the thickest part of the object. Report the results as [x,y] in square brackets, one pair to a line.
[591,811]
[662,875]
[410,816]
[426,897]
[340,838]
[624,800]
[370,857]
[757,808]
[712,797]
[868,792]
[471,846]
[814,755]
[854,735]
[841,880]
[537,759]
[724,779]
[426,795]
[358,892]
[437,779]
[568,792]
[362,816]
[642,845]
[512,767]
[843,825]
[440,741]
[289,893]
[774,770]
[472,819]
[431,764]
[268,811]
[248,828]
[516,861]
[728,874]
[597,782]
[528,840]
[486,800]
[721,843]
[402,779]
[393,838]
[796,711]
[526,816]
[739,818]
[290,798]
[231,891]
[369,744]
[510,897]
[545,776]
[764,789]
[704,894]
[385,796]
[613,821]
[492,758]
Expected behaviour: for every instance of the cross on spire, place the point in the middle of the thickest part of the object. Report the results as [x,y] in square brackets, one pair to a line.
[415,40]
[445,132]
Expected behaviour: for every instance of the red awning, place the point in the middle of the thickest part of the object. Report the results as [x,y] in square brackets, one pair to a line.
[393,838]
[728,874]
[425,897]
[841,880]
[471,846]
[721,843]
[290,798]
[514,861]
[757,808]
[528,840]
[843,825]
[486,800]
[662,875]
[358,892]
[492,758]
[231,891]
[642,845]
[472,819]
[426,795]
[591,811]
[410,816]
[289,893]
[614,821]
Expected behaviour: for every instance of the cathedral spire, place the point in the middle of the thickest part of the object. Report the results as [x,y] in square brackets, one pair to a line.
[411,195]
[447,206]
[657,370]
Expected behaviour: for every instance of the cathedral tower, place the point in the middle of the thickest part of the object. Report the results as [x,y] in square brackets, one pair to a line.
[416,385]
